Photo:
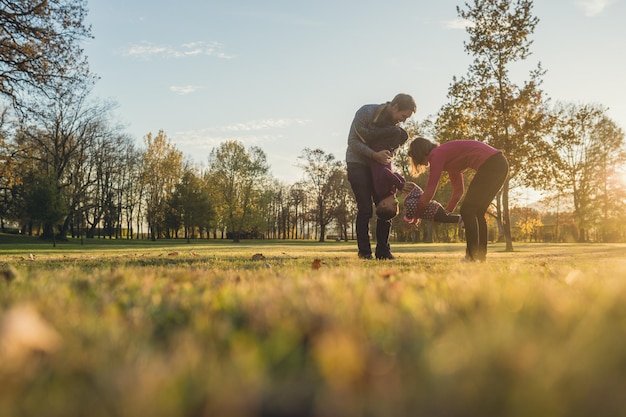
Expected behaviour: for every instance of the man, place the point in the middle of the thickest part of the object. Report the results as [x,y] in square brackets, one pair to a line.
[374,123]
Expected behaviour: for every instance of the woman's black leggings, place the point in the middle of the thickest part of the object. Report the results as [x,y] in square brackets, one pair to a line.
[480,193]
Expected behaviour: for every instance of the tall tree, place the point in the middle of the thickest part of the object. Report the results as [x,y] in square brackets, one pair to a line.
[283,206]
[44,204]
[161,169]
[40,45]
[344,203]
[109,158]
[8,171]
[487,105]
[297,200]
[238,177]
[129,158]
[62,135]
[193,203]
[609,150]
[321,170]
[276,210]
[590,148]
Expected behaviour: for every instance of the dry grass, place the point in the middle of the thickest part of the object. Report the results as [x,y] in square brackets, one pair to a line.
[212,330]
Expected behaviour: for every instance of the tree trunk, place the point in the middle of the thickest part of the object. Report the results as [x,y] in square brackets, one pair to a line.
[506,219]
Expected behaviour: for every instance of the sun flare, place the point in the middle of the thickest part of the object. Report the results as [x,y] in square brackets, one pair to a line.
[622,175]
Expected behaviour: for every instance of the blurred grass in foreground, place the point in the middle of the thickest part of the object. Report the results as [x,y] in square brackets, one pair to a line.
[206,330]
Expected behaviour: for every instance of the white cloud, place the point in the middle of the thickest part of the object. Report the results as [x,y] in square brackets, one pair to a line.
[248,132]
[594,7]
[186,89]
[261,125]
[197,139]
[457,24]
[146,49]
[257,125]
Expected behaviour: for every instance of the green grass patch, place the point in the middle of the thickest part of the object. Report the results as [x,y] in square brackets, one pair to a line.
[118,328]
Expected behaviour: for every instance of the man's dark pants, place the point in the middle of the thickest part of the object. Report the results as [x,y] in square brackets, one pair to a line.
[360,177]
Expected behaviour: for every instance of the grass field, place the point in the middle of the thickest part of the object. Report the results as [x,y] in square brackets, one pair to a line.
[119,328]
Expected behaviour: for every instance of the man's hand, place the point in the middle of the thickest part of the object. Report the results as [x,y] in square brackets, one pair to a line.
[382,157]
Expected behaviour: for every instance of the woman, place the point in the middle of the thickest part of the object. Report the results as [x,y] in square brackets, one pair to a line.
[456,157]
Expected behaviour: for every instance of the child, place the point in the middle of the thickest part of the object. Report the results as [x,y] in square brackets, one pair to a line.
[386,181]
[410,193]
[456,157]
[434,210]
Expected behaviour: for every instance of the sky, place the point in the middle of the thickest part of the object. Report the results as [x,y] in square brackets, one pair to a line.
[285,75]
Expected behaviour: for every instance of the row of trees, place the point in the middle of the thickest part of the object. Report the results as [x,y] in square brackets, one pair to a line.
[68,169]
[94,181]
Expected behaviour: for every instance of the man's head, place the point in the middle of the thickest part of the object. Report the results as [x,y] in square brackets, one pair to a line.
[387,208]
[402,107]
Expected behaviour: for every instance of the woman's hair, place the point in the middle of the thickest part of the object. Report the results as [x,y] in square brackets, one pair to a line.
[419,149]
[404,102]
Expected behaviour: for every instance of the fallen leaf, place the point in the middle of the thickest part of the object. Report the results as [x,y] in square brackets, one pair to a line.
[574,276]
[24,332]
[8,273]
[317,264]
[173,254]
[388,273]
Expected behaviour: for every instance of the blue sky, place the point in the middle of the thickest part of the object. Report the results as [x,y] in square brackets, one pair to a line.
[286,75]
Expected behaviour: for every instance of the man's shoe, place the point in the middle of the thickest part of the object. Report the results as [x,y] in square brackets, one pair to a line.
[385,257]
[366,256]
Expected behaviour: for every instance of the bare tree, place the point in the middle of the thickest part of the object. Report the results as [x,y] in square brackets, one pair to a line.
[40,46]
[321,172]
[297,199]
[59,137]
[344,204]
[131,190]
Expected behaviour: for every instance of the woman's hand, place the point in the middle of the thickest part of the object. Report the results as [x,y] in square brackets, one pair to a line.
[415,222]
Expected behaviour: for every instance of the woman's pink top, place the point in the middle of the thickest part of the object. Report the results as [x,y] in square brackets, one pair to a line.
[453,157]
